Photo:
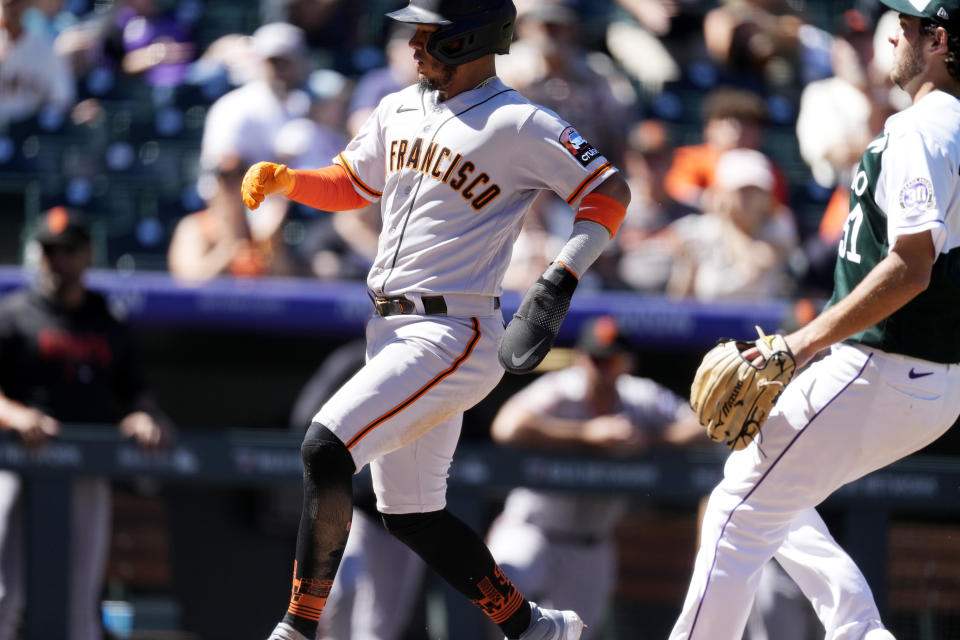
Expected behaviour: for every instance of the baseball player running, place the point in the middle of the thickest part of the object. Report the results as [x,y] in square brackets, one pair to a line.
[455,162]
[890,383]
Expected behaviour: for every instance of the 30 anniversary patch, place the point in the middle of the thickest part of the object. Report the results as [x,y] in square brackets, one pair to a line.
[917,193]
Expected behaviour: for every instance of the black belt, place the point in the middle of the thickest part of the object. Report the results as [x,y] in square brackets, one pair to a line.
[401,305]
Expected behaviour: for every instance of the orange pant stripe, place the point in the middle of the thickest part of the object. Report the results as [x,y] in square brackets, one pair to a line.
[422,390]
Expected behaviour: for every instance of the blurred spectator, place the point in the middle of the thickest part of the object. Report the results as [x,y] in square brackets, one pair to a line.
[86,42]
[733,119]
[65,360]
[837,119]
[229,59]
[32,76]
[337,245]
[49,17]
[330,93]
[882,63]
[653,39]
[316,139]
[645,254]
[548,65]
[400,72]
[768,41]
[647,160]
[326,24]
[156,39]
[559,547]
[343,244]
[244,122]
[220,240]
[151,39]
[740,247]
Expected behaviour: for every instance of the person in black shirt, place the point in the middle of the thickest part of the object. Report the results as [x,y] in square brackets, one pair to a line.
[64,359]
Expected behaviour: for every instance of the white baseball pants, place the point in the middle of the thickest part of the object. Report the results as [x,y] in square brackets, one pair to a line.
[851,413]
[403,410]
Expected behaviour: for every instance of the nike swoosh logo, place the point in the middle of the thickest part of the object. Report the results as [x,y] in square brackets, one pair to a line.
[913,374]
[517,361]
[402,109]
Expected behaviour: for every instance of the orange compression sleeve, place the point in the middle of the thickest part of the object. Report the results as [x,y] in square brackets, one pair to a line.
[329,189]
[602,209]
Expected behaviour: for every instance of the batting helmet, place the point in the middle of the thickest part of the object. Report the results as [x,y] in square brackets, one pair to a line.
[469,29]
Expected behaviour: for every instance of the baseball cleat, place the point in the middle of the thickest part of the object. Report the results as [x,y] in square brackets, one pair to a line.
[551,624]
[283,631]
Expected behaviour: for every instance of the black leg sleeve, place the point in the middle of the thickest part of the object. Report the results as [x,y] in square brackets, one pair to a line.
[460,557]
[324,524]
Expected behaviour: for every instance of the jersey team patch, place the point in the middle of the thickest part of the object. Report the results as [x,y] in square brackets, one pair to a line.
[917,194]
[579,148]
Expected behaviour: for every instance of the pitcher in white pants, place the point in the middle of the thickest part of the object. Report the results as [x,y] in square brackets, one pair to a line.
[764,507]
[891,383]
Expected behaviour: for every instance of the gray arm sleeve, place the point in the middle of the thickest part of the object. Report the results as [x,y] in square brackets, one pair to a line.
[586,243]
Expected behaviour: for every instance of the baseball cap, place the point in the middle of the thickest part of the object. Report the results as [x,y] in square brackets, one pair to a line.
[739,168]
[279,40]
[63,227]
[944,12]
[601,337]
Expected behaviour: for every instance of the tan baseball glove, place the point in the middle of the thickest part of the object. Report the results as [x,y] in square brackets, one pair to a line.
[731,396]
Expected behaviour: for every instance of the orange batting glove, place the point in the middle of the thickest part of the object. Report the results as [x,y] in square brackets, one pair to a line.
[264,179]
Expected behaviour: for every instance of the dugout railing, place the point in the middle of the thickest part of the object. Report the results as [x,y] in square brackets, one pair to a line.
[253,458]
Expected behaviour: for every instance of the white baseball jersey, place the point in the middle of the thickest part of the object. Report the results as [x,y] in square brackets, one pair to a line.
[907,183]
[456,179]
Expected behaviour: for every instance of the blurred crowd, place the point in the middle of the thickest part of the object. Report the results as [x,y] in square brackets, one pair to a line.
[737,124]
[700,104]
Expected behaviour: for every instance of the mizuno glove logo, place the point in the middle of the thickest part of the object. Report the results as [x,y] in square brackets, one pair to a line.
[517,361]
